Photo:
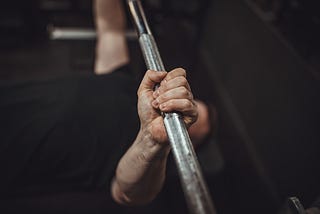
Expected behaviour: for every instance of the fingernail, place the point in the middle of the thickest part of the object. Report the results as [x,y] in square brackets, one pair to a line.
[156,93]
[162,106]
[155,103]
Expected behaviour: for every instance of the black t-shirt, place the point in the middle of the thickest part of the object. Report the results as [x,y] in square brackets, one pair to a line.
[65,134]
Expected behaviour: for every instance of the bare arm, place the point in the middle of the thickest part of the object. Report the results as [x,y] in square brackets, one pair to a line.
[141,171]
[111,51]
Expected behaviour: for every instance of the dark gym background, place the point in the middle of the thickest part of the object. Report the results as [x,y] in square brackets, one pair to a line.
[258,61]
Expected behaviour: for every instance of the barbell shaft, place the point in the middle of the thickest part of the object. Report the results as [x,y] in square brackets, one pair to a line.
[193,183]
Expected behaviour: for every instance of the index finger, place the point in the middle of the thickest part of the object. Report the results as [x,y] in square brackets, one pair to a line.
[150,79]
[175,73]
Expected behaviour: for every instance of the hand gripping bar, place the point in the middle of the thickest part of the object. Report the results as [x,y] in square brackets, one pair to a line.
[192,181]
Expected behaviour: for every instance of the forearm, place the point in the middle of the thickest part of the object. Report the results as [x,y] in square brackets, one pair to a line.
[141,172]
[109,16]
[112,50]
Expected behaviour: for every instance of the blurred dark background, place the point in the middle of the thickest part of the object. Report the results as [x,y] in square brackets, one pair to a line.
[257,61]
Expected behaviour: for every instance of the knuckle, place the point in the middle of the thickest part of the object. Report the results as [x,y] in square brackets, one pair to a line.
[186,104]
[170,75]
[162,88]
[183,72]
[190,104]
[190,95]
[148,73]
[184,92]
[184,81]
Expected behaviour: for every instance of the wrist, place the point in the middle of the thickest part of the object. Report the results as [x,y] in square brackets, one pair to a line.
[149,149]
[141,171]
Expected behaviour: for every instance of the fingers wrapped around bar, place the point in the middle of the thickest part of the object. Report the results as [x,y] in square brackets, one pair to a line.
[174,95]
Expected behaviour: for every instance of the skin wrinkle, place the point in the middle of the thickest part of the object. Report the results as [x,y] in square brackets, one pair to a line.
[146,158]
[143,160]
[141,171]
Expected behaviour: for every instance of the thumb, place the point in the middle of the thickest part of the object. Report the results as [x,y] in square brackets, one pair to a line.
[150,79]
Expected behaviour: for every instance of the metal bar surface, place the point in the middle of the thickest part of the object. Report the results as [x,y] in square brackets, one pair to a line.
[193,184]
